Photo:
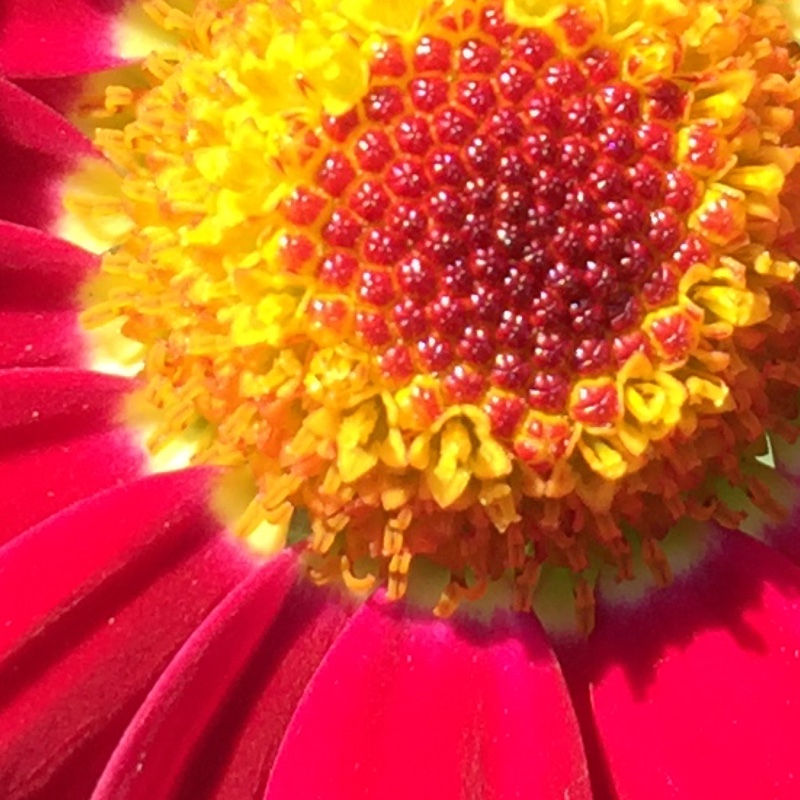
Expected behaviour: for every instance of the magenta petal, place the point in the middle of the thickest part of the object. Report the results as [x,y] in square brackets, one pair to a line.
[38,147]
[60,441]
[696,688]
[61,93]
[38,338]
[409,706]
[95,601]
[236,753]
[214,721]
[53,37]
[40,276]
[153,753]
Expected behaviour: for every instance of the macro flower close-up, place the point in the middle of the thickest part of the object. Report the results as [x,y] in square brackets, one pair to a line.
[399,400]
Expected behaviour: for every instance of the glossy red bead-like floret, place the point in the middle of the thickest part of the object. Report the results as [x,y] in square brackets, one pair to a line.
[432,54]
[501,215]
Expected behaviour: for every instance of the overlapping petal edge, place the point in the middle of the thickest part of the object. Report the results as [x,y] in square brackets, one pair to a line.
[142,654]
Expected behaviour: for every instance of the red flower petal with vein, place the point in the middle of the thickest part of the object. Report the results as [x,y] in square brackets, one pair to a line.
[62,441]
[96,601]
[40,149]
[489,698]
[47,37]
[41,276]
[710,678]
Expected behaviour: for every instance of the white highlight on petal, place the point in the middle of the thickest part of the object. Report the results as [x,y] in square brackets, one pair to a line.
[136,35]
[94,185]
[112,353]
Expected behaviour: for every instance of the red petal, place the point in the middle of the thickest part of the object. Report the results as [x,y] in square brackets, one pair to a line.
[696,687]
[62,93]
[212,725]
[238,751]
[59,442]
[95,602]
[405,706]
[51,37]
[38,148]
[40,276]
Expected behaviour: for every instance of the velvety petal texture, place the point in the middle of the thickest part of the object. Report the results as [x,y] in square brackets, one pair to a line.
[40,276]
[39,149]
[212,725]
[409,706]
[61,439]
[695,689]
[95,601]
[52,37]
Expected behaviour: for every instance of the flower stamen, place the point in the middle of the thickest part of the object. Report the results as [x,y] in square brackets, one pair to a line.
[478,284]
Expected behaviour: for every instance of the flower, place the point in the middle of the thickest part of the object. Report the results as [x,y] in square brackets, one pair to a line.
[457,318]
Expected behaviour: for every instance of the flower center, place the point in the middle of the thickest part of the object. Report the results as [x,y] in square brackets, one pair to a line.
[502,217]
[465,282]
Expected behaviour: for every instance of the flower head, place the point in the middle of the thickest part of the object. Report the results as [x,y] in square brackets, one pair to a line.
[457,300]
[487,284]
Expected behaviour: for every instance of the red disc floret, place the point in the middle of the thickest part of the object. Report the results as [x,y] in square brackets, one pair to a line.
[503,215]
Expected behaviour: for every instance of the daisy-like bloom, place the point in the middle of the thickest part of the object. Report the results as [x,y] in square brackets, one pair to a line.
[399,400]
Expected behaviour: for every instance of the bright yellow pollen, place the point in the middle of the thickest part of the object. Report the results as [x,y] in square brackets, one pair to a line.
[232,275]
